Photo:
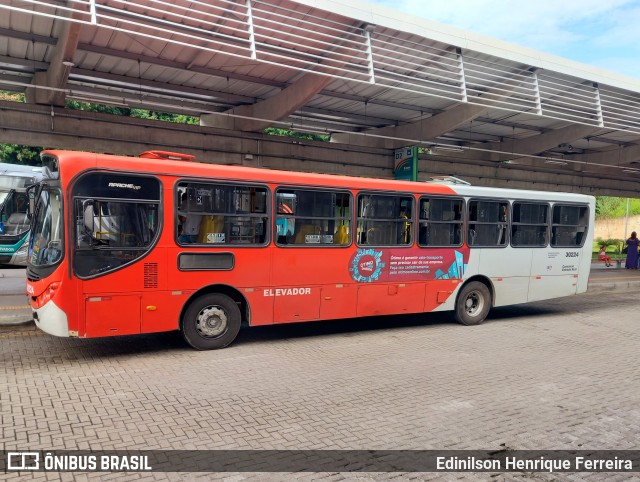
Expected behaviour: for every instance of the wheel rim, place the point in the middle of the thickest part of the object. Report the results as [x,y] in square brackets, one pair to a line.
[474,303]
[211,321]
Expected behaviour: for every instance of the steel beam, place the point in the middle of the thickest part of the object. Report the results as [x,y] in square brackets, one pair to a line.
[90,131]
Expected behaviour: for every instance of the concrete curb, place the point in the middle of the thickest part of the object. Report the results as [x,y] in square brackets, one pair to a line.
[617,286]
[15,320]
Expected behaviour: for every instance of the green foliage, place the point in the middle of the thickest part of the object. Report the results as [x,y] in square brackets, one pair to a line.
[612,245]
[615,207]
[11,96]
[19,154]
[274,131]
[163,116]
[131,112]
[90,107]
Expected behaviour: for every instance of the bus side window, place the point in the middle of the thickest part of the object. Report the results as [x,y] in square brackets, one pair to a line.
[440,222]
[216,214]
[569,225]
[488,223]
[385,219]
[312,217]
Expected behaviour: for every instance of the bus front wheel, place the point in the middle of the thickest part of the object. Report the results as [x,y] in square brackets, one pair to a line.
[211,321]
[473,303]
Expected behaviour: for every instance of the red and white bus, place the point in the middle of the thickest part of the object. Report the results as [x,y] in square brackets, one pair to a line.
[124,245]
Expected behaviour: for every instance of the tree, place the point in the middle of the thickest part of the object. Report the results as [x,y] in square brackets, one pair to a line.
[275,131]
[19,154]
[615,207]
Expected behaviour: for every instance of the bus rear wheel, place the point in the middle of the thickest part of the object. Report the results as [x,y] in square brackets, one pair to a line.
[211,321]
[473,303]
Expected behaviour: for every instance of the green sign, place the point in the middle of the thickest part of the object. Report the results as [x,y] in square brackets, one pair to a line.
[405,165]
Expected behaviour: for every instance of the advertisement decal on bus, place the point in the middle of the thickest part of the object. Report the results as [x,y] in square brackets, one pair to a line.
[369,264]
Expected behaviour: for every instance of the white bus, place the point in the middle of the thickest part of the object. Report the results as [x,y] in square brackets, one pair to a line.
[14,205]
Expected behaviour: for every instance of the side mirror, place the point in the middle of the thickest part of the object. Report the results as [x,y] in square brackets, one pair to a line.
[31,193]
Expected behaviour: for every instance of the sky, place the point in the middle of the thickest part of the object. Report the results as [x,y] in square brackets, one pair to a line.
[601,33]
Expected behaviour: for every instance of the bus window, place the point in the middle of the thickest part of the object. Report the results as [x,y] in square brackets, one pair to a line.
[385,220]
[569,225]
[46,246]
[487,223]
[221,214]
[308,217]
[440,222]
[529,226]
[13,213]
[116,221]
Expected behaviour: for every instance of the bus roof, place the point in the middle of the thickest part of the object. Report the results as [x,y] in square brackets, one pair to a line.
[179,168]
[7,169]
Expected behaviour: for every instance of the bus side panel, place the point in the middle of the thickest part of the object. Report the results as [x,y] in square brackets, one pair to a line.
[112,314]
[318,271]
[305,266]
[161,310]
[440,294]
[338,301]
[547,287]
[554,273]
[390,298]
[113,303]
[296,304]
[260,305]
[509,270]
[250,276]
[510,291]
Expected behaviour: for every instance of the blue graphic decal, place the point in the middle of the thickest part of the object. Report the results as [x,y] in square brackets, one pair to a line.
[455,270]
[366,265]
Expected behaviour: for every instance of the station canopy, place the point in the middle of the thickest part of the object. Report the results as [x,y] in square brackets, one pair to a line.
[362,74]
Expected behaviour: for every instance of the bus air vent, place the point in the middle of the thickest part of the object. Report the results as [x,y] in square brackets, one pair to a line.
[170,156]
[151,275]
[448,180]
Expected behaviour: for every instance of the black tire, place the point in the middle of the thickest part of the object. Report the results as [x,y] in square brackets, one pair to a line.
[473,303]
[211,322]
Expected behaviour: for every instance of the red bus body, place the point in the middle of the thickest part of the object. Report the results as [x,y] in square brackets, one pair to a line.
[270,283]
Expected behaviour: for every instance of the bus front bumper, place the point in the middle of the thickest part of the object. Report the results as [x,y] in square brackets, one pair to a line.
[51,319]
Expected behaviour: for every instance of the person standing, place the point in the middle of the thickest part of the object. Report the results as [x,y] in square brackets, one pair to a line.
[632,252]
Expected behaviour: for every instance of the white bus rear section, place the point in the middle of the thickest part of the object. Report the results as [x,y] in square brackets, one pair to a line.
[521,275]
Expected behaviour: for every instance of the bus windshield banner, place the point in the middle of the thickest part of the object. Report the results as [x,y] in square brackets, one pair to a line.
[405,166]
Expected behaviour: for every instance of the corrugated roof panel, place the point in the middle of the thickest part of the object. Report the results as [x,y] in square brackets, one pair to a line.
[380,74]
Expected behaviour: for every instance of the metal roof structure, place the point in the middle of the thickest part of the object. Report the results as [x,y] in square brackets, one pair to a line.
[365,75]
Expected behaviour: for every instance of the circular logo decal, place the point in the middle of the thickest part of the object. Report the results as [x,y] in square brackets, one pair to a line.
[366,265]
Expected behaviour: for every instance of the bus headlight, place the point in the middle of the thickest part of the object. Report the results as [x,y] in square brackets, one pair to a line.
[47,294]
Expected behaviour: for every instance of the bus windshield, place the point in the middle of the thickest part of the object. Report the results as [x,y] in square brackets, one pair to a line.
[46,238]
[14,207]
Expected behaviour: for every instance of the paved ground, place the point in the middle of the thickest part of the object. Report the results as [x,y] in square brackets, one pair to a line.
[13,301]
[551,375]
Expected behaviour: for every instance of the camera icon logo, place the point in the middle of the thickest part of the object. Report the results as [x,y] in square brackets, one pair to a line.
[23,460]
